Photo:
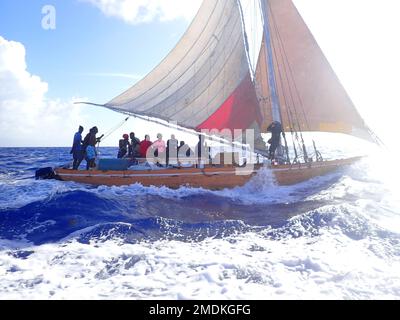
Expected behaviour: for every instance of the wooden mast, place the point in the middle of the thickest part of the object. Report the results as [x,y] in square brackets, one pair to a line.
[275,103]
[276,109]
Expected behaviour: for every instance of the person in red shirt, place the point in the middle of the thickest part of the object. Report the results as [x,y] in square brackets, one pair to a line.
[144,146]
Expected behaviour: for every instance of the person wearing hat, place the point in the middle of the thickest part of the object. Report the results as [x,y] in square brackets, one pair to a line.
[77,149]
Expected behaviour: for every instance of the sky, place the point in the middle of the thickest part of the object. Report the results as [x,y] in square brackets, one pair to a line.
[96,49]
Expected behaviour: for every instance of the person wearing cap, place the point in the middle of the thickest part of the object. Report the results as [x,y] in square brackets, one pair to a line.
[77,149]
[124,146]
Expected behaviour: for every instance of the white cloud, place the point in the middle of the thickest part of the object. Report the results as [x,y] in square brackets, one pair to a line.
[142,11]
[27,117]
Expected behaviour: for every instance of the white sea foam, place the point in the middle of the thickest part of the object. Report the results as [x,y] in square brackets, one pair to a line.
[248,266]
[261,189]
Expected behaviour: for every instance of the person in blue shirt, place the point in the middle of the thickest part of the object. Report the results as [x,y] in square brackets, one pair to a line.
[77,149]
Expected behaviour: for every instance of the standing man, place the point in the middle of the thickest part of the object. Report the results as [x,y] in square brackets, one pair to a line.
[89,147]
[77,149]
[276,129]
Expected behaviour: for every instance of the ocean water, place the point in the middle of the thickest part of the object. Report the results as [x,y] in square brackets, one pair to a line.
[333,237]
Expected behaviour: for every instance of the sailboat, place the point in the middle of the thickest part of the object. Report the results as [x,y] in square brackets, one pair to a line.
[208,84]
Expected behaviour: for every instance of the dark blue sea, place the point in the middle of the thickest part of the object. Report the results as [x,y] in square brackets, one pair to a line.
[333,237]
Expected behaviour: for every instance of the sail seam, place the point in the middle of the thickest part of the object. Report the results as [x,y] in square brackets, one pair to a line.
[189,80]
[186,54]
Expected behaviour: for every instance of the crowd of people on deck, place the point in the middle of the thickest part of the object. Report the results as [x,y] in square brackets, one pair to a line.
[130,147]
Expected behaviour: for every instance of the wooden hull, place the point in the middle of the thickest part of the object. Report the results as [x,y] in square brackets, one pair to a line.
[292,174]
[213,178]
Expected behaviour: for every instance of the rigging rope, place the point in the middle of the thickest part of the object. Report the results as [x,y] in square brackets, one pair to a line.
[287,103]
[287,66]
[111,131]
[285,98]
[317,152]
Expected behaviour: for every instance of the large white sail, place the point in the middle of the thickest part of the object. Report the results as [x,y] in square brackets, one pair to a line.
[204,83]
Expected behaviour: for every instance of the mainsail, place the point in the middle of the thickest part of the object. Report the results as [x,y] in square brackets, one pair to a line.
[310,94]
[204,82]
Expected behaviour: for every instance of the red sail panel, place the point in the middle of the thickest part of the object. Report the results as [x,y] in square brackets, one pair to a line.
[305,79]
[240,111]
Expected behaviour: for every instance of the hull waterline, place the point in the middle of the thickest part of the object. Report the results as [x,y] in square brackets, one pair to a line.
[213,178]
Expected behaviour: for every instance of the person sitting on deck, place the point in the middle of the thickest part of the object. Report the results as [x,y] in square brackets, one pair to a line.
[144,146]
[134,149]
[184,149]
[159,145]
[172,150]
[185,153]
[77,149]
[124,146]
[276,129]
[159,149]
